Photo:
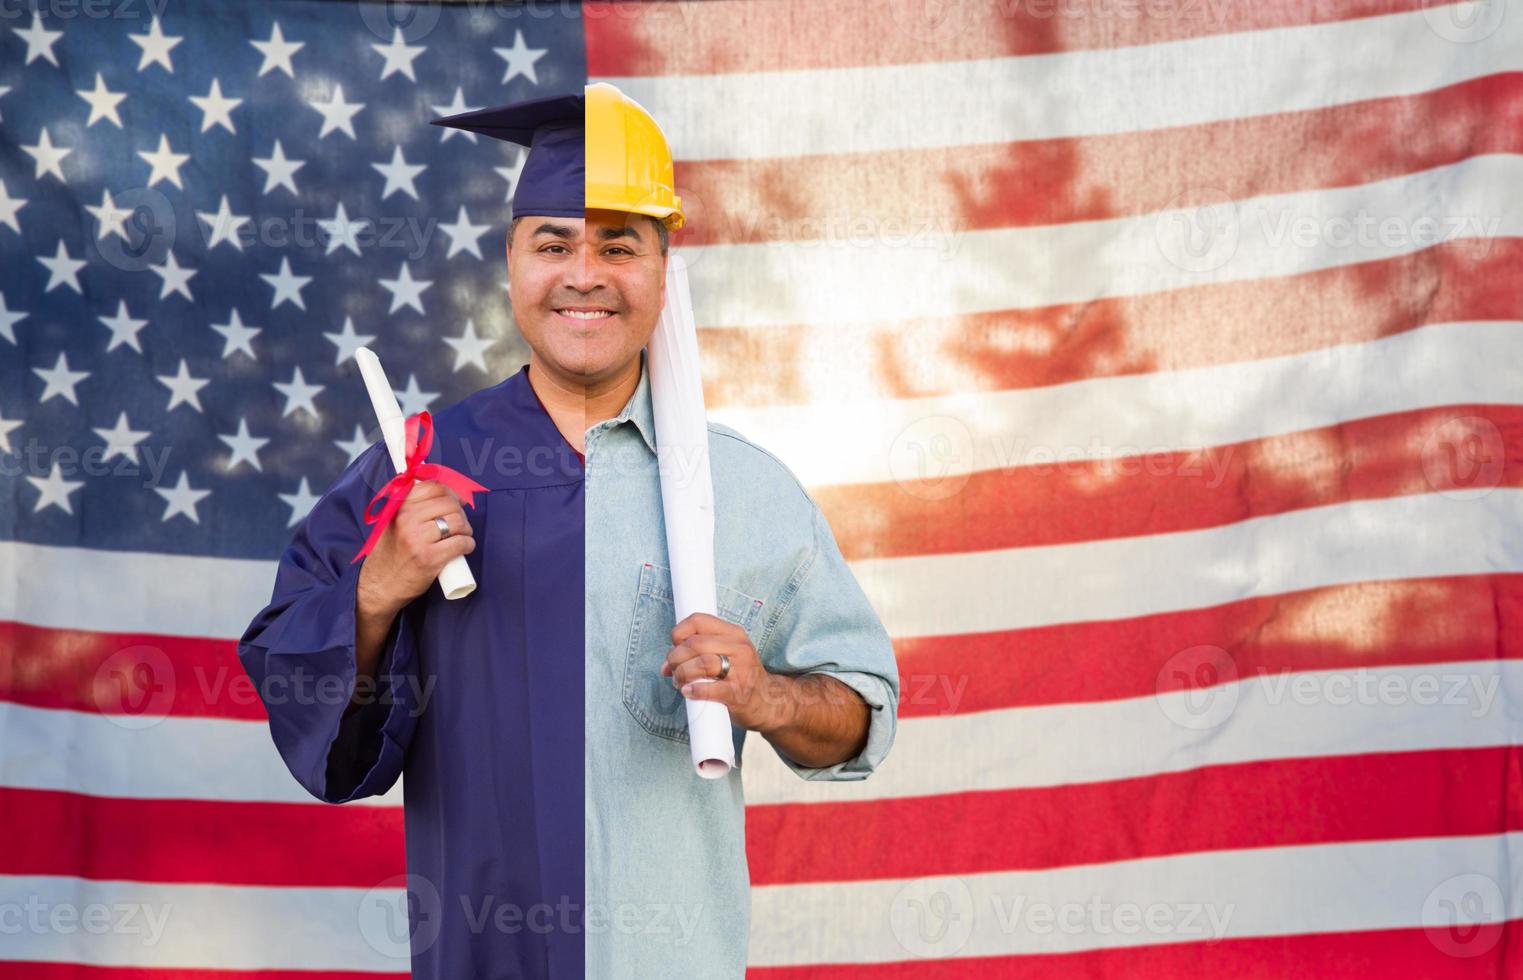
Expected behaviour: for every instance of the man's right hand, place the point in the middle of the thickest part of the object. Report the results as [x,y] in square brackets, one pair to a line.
[409,556]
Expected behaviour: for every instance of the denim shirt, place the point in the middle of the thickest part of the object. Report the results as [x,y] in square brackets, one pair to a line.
[668,890]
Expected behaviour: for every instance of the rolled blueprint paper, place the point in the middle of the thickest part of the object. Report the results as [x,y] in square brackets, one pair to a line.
[687,496]
[455,578]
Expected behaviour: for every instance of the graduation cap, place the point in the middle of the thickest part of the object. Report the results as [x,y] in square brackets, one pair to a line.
[553,179]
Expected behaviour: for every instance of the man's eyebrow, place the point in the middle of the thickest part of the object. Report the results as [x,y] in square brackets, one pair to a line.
[627,231]
[559,231]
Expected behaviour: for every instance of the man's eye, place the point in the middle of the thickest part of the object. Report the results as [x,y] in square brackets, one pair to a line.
[549,247]
[621,248]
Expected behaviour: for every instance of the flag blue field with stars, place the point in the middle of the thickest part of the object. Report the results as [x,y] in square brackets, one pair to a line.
[206,207]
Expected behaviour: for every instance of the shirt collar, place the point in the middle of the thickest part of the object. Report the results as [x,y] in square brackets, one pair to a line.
[638,409]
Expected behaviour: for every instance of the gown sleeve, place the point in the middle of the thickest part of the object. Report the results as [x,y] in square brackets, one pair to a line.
[300,652]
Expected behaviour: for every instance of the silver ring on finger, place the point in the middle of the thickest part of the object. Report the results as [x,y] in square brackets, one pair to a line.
[443,526]
[724,668]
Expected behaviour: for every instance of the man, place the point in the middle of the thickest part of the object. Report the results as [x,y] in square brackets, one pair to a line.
[533,701]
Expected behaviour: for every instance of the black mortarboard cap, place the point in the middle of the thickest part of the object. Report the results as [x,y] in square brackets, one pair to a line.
[553,179]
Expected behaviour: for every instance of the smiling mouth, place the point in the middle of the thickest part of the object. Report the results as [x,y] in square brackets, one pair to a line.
[585,315]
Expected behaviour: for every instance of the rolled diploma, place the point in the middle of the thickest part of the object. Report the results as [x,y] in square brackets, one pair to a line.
[687,496]
[455,578]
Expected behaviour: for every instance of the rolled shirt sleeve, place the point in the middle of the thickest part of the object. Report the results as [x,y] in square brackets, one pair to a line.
[827,626]
[300,653]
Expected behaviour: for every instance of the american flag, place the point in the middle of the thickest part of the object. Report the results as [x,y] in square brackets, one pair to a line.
[1158,367]
[1156,363]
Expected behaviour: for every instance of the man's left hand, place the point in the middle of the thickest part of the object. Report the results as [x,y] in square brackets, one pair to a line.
[756,698]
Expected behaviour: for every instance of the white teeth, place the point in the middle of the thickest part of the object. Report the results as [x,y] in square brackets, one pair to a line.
[587,315]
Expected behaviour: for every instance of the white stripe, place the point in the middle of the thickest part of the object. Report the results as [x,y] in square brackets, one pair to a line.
[177,758]
[1281,891]
[1199,241]
[132,592]
[55,919]
[1289,715]
[1127,416]
[1079,93]
[1412,536]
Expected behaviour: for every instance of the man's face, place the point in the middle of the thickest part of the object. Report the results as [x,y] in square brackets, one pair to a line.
[586,292]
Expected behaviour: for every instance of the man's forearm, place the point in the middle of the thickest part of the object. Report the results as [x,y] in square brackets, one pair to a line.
[820,721]
[372,623]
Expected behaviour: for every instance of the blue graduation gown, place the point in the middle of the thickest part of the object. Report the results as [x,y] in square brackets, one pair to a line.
[480,699]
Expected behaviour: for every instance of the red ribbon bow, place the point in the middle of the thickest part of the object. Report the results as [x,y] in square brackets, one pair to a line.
[420,435]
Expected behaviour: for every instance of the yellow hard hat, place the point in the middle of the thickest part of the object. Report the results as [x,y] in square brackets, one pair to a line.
[629,163]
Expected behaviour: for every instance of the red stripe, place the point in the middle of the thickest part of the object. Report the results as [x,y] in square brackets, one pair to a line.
[650,39]
[945,190]
[1047,502]
[1480,279]
[192,841]
[1279,803]
[124,673]
[1346,627]
[1391,954]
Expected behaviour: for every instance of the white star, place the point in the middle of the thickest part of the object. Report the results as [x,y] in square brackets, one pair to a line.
[286,286]
[244,446]
[165,163]
[8,321]
[337,114]
[183,388]
[347,341]
[121,441]
[39,40]
[406,291]
[124,328]
[156,46]
[299,394]
[103,103]
[7,426]
[454,109]
[181,499]
[109,218]
[236,336]
[399,56]
[469,348]
[176,278]
[399,175]
[216,110]
[278,170]
[47,156]
[352,447]
[55,490]
[463,235]
[8,208]
[341,232]
[62,270]
[60,380]
[412,400]
[224,225]
[512,173]
[520,59]
[277,52]
[300,503]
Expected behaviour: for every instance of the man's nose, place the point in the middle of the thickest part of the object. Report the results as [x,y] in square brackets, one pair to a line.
[585,272]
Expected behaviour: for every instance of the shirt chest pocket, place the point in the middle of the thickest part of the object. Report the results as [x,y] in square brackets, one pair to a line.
[650,696]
